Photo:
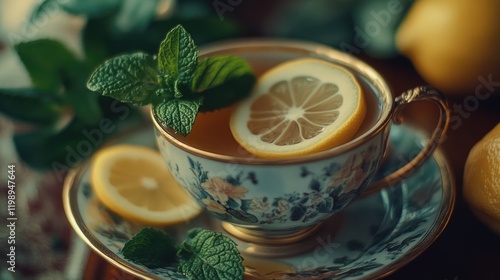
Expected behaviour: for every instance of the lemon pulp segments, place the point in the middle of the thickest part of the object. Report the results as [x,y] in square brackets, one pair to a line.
[299,107]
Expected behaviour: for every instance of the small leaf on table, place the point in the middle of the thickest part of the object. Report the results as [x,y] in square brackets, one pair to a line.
[150,247]
[210,255]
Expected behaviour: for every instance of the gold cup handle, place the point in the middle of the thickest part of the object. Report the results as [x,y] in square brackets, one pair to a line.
[427,93]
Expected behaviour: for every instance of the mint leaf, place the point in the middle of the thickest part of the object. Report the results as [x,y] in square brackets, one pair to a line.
[223,80]
[45,59]
[150,247]
[43,147]
[228,93]
[215,71]
[57,72]
[40,147]
[85,105]
[131,78]
[30,105]
[49,148]
[178,114]
[178,56]
[134,15]
[90,8]
[41,11]
[210,255]
[193,232]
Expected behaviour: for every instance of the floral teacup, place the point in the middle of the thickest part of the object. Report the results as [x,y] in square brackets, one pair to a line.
[282,198]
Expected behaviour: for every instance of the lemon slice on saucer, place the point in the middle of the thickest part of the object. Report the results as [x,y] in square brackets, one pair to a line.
[299,107]
[134,182]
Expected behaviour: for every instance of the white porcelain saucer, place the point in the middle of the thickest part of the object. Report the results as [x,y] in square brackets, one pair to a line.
[370,239]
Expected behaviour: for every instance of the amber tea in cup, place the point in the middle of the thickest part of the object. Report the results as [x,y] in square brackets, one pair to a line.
[211,130]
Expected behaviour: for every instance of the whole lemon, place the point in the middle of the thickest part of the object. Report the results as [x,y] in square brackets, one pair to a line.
[481,187]
[453,44]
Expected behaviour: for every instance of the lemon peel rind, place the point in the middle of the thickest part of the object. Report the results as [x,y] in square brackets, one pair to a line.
[480,179]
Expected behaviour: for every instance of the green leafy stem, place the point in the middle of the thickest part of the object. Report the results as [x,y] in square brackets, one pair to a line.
[175,82]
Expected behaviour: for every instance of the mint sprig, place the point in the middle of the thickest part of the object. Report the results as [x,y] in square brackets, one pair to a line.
[204,254]
[175,82]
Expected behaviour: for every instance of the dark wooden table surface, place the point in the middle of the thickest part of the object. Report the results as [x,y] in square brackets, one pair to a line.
[466,249]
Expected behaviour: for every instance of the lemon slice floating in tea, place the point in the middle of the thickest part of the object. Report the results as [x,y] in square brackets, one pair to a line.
[134,182]
[299,107]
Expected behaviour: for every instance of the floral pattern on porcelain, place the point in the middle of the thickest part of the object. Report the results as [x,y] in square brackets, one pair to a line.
[237,196]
